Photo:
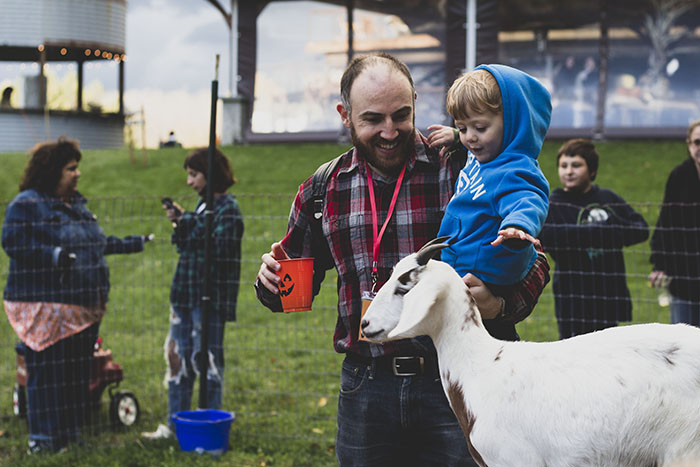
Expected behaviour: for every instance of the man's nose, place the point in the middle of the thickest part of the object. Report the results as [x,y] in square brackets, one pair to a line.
[388,130]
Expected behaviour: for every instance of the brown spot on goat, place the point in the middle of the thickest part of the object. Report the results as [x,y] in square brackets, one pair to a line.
[498,355]
[470,314]
[669,353]
[464,416]
[470,298]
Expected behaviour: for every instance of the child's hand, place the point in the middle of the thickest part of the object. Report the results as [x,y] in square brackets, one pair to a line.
[514,232]
[441,136]
[659,279]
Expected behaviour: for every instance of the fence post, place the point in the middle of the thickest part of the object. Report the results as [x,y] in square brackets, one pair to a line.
[209,218]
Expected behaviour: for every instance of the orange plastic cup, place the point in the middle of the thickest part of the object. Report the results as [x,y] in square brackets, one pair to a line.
[296,283]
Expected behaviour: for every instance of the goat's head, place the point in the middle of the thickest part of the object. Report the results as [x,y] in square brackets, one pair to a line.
[416,286]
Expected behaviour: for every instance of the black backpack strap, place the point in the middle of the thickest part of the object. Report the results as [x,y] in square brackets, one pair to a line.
[319,181]
[322,254]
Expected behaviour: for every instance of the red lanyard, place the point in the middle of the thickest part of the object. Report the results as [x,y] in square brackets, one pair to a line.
[377,238]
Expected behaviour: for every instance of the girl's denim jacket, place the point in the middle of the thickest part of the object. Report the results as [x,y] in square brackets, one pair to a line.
[37,228]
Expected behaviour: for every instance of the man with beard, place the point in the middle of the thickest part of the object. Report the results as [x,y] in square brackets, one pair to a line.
[383,201]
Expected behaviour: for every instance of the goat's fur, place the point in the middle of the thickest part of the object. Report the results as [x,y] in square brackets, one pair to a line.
[625,396]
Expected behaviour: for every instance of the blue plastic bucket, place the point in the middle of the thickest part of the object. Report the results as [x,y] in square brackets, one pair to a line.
[203,430]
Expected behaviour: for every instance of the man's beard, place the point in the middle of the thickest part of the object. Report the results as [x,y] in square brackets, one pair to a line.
[386,166]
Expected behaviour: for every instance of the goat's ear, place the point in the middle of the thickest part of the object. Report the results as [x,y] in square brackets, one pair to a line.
[417,303]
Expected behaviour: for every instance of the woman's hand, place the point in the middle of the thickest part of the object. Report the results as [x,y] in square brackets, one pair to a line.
[173,211]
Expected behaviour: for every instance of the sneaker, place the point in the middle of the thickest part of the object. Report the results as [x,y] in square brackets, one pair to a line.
[162,432]
[35,447]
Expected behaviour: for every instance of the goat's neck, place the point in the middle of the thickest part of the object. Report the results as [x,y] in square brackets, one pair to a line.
[463,344]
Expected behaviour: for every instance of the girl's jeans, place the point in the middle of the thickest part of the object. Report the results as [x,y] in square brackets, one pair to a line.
[182,348]
[58,390]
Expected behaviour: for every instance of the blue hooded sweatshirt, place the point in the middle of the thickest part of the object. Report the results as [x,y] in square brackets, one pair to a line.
[509,190]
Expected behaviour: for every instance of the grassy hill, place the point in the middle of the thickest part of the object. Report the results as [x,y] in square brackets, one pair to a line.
[281,374]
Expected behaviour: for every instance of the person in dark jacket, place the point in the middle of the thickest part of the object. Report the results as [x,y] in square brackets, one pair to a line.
[585,231]
[183,343]
[57,290]
[675,245]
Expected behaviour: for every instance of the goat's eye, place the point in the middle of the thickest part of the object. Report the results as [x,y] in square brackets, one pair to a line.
[405,278]
[404,283]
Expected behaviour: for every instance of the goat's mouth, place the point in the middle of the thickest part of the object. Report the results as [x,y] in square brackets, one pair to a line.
[372,335]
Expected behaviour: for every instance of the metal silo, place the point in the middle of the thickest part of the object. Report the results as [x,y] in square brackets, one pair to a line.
[78,31]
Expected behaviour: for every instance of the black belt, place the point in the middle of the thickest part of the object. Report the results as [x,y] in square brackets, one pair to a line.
[400,365]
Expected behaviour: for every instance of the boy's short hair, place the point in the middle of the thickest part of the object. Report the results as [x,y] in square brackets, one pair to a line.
[477,90]
[584,148]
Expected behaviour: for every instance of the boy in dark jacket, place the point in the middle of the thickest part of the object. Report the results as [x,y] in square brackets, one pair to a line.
[585,230]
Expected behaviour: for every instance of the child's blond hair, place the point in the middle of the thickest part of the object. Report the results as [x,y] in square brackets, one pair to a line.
[478,91]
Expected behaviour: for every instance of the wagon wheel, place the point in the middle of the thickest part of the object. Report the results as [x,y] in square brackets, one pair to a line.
[19,401]
[123,409]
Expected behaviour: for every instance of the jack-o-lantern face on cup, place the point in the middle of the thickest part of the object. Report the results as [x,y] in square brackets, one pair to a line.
[286,285]
[296,284]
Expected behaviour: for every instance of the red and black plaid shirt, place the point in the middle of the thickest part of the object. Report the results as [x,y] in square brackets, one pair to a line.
[346,243]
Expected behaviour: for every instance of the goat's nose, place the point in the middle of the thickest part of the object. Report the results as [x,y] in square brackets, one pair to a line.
[364,323]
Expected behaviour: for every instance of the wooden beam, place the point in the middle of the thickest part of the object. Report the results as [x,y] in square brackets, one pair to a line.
[79,105]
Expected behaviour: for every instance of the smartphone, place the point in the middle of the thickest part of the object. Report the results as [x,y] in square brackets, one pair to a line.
[168,202]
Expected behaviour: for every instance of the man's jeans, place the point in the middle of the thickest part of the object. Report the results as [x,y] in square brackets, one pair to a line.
[685,311]
[58,389]
[394,420]
[181,353]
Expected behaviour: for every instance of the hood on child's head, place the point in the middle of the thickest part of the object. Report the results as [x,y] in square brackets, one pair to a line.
[527,109]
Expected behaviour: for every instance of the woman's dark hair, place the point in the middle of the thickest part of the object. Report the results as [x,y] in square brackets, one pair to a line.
[223,173]
[45,168]
[584,148]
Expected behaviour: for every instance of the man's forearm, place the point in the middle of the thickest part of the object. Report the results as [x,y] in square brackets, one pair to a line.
[522,301]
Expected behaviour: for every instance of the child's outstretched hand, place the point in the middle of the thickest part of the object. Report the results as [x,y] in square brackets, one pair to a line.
[514,232]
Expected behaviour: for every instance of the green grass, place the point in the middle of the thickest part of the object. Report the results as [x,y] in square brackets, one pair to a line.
[281,371]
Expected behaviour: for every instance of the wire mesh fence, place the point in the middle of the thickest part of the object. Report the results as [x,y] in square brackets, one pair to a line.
[281,374]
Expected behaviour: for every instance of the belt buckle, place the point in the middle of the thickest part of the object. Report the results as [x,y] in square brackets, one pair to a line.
[395,370]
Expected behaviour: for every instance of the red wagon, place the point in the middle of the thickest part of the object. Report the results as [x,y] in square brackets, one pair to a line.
[106,373]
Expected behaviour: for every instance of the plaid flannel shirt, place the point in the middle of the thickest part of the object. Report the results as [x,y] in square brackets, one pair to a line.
[346,243]
[188,236]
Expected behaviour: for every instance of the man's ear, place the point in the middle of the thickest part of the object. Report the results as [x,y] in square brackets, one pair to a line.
[344,115]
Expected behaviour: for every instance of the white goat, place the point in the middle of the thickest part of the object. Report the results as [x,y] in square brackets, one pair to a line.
[626,396]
